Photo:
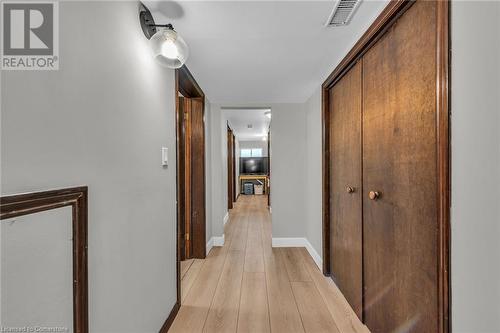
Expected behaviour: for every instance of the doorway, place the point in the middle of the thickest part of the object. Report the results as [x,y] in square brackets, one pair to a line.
[248,152]
[191,210]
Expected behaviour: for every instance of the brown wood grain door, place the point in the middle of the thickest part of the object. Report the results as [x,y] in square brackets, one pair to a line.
[346,187]
[268,189]
[192,177]
[230,168]
[197,185]
[234,169]
[400,228]
[184,193]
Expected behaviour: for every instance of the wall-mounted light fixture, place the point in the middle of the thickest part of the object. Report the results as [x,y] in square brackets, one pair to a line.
[168,48]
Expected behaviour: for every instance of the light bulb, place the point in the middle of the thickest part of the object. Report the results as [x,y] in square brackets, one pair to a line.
[169,50]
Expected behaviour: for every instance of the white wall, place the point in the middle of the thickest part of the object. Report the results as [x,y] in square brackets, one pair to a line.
[101,121]
[49,255]
[219,169]
[313,186]
[208,171]
[288,170]
[475,214]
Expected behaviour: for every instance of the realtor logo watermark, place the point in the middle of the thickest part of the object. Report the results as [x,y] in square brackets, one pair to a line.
[30,35]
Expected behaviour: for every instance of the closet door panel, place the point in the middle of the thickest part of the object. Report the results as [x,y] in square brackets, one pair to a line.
[399,162]
[346,208]
[198,214]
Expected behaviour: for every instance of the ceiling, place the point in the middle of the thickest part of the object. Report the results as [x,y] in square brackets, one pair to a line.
[239,119]
[262,51]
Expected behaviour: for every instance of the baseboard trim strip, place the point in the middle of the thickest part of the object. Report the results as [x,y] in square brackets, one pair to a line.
[170,318]
[214,241]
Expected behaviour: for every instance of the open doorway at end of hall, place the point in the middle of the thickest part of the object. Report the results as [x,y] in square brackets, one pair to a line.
[248,167]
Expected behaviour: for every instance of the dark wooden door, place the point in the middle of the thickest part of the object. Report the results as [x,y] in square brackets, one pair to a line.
[346,187]
[235,196]
[191,169]
[184,177]
[400,229]
[197,167]
[268,189]
[230,169]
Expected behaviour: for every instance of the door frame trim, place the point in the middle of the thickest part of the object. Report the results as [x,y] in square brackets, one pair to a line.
[186,85]
[384,21]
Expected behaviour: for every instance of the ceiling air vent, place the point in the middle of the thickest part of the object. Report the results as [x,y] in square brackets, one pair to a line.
[342,12]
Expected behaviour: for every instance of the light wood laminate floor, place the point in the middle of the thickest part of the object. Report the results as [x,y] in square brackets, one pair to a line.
[248,286]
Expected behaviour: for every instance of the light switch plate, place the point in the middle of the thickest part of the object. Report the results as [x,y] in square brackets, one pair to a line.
[164,156]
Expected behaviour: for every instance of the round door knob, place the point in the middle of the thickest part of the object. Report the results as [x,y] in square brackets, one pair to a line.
[374,195]
[349,189]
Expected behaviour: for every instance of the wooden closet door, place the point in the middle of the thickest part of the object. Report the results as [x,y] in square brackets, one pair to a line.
[198,178]
[230,169]
[184,170]
[346,206]
[400,163]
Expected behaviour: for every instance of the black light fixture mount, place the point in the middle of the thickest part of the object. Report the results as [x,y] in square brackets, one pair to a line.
[148,24]
[169,49]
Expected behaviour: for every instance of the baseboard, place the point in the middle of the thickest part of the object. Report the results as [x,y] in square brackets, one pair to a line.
[214,241]
[315,255]
[299,242]
[288,242]
[210,244]
[218,241]
[170,318]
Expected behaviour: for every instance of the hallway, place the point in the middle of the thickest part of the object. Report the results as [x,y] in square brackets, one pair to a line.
[248,286]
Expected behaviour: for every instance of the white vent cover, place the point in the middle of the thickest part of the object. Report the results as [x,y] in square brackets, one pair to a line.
[342,12]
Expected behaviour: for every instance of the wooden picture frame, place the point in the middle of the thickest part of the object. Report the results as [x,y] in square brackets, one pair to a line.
[29,203]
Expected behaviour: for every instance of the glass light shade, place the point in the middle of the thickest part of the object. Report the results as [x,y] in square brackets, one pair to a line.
[169,49]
